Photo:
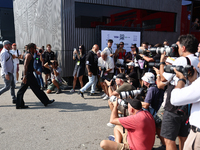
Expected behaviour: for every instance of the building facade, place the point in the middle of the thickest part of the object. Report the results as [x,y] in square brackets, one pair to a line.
[65,24]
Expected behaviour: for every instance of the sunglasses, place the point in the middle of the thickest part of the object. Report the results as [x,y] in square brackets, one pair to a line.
[132,47]
[79,48]
[121,44]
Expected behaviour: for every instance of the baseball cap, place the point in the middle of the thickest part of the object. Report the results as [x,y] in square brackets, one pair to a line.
[134,103]
[121,76]
[6,42]
[130,64]
[14,44]
[149,77]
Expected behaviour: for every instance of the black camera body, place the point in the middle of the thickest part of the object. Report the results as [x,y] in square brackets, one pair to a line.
[187,71]
[40,50]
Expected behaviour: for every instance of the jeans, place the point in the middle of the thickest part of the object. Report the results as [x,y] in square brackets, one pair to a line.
[8,84]
[92,82]
[39,77]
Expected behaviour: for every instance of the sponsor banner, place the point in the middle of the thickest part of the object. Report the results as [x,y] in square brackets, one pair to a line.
[128,37]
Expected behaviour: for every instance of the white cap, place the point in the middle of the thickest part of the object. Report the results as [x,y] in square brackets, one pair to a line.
[130,64]
[149,77]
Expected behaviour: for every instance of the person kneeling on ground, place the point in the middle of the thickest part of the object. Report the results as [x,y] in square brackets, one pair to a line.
[139,129]
[55,77]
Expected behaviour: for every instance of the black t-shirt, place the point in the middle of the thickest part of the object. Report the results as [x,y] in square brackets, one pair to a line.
[48,56]
[157,58]
[92,62]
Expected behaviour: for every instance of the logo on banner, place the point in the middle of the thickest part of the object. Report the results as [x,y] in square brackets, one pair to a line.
[121,37]
[116,37]
[134,37]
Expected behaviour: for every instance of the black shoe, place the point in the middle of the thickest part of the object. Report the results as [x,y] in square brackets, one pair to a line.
[58,91]
[81,93]
[91,94]
[22,107]
[14,101]
[42,88]
[49,102]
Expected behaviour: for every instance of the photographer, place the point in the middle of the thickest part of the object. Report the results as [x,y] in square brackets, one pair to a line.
[55,76]
[154,97]
[106,66]
[182,95]
[122,86]
[173,124]
[139,129]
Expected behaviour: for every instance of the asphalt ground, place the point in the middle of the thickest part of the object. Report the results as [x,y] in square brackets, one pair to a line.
[70,123]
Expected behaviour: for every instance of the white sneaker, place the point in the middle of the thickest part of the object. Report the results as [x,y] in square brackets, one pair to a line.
[102,96]
[110,125]
[72,91]
[106,97]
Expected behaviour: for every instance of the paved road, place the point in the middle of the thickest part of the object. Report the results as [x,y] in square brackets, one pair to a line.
[70,123]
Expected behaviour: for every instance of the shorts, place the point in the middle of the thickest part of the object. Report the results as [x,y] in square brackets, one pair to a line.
[174,125]
[124,145]
[52,86]
[108,77]
[17,67]
[46,71]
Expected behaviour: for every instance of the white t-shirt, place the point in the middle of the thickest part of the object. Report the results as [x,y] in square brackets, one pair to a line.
[58,70]
[14,52]
[181,61]
[109,51]
[108,64]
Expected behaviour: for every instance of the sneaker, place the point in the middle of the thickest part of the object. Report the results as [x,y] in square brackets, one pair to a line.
[111,138]
[102,96]
[110,125]
[72,91]
[81,93]
[120,115]
[106,97]
[58,91]
[91,94]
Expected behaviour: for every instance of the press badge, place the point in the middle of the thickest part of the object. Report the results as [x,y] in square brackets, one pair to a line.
[78,63]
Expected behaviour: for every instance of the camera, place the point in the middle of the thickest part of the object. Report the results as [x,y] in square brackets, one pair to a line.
[133,93]
[103,70]
[183,110]
[186,71]
[40,50]
[170,51]
[119,101]
[153,64]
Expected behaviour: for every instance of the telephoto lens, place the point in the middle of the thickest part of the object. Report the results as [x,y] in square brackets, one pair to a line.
[133,93]
[119,101]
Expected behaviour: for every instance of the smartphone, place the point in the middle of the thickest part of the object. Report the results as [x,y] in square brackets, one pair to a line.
[74,49]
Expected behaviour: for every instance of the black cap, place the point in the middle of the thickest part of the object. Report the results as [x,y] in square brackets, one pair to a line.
[121,76]
[135,103]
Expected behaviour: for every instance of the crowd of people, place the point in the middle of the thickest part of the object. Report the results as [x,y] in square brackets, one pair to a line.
[144,99]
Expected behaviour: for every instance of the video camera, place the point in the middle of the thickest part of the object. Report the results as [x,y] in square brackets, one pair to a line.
[187,71]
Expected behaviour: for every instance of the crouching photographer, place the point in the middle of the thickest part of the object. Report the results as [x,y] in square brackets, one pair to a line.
[182,95]
[139,128]
[121,84]
[56,80]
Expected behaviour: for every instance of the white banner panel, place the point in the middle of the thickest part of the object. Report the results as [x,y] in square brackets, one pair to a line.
[128,37]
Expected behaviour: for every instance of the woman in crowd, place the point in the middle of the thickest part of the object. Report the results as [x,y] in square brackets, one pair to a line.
[79,69]
[120,56]
[38,66]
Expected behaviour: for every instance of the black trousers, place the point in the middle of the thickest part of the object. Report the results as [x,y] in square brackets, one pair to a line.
[32,82]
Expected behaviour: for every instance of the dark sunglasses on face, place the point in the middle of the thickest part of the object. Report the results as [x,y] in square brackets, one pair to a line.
[132,47]
[121,44]
[80,48]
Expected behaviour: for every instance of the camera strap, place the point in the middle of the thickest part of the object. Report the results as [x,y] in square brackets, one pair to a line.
[188,61]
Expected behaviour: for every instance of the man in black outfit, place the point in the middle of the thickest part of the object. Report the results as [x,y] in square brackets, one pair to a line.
[30,80]
[92,68]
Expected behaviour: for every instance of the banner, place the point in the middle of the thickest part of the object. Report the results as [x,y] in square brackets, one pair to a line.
[128,37]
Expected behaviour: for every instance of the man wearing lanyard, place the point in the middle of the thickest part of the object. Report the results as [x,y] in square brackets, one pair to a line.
[109,49]
[7,70]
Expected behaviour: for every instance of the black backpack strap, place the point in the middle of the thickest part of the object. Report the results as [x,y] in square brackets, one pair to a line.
[188,61]
[17,53]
